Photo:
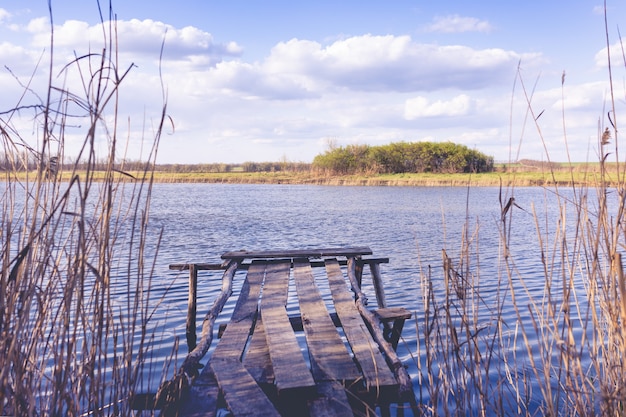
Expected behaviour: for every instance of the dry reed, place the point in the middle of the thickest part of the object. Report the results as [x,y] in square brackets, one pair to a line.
[563,351]
[75,304]
[75,301]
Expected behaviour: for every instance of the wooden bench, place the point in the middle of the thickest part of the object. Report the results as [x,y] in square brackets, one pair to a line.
[301,340]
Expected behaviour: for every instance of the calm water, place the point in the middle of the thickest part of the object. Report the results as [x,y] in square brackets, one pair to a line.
[409,225]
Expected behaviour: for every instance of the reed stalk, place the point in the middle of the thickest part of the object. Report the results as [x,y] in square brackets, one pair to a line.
[75,275]
[562,353]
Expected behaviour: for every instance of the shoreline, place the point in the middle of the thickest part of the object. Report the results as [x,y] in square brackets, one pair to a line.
[524,179]
[561,178]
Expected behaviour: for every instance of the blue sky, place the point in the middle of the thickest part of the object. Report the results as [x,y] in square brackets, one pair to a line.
[280,80]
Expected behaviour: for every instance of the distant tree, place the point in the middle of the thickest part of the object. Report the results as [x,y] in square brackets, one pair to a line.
[403,157]
[343,160]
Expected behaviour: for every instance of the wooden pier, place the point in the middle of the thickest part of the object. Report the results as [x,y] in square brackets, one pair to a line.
[302,340]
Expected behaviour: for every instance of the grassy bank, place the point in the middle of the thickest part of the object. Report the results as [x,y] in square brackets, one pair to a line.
[514,174]
[578,175]
[400,180]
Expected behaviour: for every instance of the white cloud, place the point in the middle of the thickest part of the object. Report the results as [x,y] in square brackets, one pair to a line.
[617,56]
[4,15]
[140,35]
[419,107]
[137,38]
[302,68]
[599,10]
[584,97]
[37,26]
[366,89]
[457,24]
[16,57]
[293,69]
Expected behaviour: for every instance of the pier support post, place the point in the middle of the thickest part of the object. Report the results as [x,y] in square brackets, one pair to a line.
[191,307]
[377,280]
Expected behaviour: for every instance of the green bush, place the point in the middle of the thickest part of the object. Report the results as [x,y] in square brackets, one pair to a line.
[403,157]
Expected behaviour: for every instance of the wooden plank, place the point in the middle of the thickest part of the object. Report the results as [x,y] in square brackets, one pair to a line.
[257,359]
[248,301]
[299,253]
[320,263]
[241,392]
[290,369]
[198,266]
[235,337]
[294,319]
[276,288]
[218,267]
[397,316]
[298,324]
[326,349]
[365,349]
[393,313]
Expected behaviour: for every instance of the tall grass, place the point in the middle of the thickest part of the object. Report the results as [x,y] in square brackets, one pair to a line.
[75,272]
[564,352]
[75,275]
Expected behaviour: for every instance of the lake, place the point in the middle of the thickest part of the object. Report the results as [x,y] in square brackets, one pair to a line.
[409,225]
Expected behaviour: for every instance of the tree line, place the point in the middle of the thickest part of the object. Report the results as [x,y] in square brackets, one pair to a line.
[283,166]
[399,157]
[403,157]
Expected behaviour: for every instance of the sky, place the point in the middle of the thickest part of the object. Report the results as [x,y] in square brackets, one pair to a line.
[280,80]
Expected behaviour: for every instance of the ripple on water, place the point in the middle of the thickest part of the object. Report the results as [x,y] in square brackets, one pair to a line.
[409,225]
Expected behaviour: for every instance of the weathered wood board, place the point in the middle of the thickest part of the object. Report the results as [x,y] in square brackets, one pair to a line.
[366,351]
[257,360]
[326,349]
[298,253]
[290,369]
[314,361]
[240,390]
